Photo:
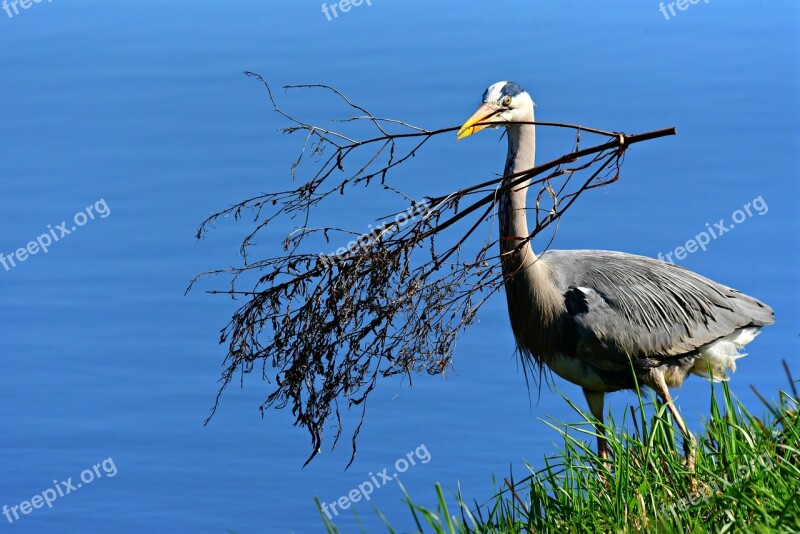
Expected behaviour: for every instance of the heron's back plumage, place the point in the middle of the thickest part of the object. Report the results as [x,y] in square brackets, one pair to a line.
[623,311]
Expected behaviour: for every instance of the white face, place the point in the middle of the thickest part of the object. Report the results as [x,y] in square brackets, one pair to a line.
[503,102]
[515,103]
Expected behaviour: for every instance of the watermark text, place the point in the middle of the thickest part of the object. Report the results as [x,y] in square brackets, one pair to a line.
[43,242]
[375,481]
[682,5]
[60,489]
[342,6]
[15,5]
[703,239]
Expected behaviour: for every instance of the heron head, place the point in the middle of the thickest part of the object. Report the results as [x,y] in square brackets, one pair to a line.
[503,102]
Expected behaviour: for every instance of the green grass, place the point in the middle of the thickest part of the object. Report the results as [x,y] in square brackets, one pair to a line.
[747,479]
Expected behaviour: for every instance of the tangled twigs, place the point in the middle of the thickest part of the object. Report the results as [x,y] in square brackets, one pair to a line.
[325,328]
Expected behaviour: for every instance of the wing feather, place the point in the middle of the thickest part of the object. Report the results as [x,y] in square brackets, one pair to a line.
[623,307]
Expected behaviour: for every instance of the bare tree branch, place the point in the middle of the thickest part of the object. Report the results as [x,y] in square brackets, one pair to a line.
[325,328]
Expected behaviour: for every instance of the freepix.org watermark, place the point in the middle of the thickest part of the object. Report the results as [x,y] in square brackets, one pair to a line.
[54,234]
[12,7]
[60,489]
[720,228]
[366,488]
[421,209]
[706,491]
[682,5]
[342,6]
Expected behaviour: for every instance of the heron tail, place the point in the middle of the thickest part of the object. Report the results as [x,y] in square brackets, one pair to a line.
[719,357]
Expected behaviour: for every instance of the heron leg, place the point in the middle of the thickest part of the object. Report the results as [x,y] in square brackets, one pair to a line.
[595,401]
[689,443]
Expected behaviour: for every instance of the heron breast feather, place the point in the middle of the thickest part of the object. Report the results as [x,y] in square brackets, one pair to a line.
[576,371]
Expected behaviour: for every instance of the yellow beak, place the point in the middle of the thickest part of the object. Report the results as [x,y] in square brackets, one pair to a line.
[483,118]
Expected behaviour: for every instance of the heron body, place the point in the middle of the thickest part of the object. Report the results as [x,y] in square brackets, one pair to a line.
[607,320]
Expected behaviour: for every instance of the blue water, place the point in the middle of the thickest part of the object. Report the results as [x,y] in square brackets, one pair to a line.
[142,108]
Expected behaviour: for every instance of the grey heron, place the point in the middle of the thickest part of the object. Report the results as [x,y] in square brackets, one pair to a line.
[607,320]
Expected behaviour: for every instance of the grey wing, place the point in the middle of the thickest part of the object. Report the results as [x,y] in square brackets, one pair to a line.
[624,306]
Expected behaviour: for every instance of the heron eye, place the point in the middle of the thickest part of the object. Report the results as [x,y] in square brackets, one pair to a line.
[507,101]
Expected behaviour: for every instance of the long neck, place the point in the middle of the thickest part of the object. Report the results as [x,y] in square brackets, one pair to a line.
[534,302]
[521,157]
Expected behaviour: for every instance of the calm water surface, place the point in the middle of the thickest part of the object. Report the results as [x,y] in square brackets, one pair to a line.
[142,108]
